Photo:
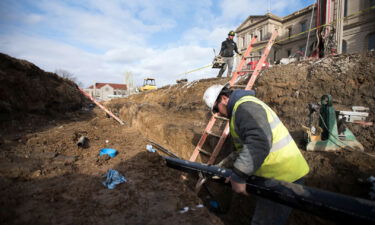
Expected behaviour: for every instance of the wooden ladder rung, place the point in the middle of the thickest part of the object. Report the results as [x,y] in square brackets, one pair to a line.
[245,71]
[238,86]
[204,152]
[213,134]
[220,117]
[255,56]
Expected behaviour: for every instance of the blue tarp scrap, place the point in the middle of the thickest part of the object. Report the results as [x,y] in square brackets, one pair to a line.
[113,178]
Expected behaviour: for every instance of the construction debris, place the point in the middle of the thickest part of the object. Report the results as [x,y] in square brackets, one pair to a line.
[113,178]
[83,142]
[333,134]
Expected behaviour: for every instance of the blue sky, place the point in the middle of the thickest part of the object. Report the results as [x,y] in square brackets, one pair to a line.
[100,40]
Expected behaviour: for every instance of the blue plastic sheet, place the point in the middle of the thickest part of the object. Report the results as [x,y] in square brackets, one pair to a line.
[113,178]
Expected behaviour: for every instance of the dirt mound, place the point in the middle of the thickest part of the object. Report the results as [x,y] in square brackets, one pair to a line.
[349,79]
[27,89]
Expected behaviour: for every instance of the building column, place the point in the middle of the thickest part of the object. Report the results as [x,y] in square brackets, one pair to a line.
[339,24]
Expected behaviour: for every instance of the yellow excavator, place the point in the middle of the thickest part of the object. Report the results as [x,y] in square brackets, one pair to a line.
[148,84]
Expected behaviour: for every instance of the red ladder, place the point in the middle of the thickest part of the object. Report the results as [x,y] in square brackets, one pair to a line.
[208,131]
[239,70]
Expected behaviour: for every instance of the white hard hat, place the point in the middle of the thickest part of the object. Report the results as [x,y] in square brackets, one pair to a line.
[211,94]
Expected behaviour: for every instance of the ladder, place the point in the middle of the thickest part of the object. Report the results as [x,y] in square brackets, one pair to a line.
[208,130]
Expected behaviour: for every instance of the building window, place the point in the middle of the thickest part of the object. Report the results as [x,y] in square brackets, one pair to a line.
[371,41]
[303,26]
[344,46]
[106,89]
[260,35]
[243,42]
[289,30]
[345,8]
[372,3]
[288,52]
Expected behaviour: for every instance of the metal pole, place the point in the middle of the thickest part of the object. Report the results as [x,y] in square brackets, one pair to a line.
[308,34]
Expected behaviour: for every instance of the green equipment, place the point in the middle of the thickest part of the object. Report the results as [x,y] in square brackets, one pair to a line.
[332,133]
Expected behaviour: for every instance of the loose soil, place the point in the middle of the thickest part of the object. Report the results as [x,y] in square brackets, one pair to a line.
[46,179]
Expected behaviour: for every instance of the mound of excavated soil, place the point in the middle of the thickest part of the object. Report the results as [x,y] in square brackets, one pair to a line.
[24,88]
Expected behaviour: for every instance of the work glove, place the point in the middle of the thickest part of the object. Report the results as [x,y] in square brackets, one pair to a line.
[228,161]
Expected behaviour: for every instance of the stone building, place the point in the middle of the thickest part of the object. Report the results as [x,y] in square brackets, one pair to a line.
[353,30]
[358,27]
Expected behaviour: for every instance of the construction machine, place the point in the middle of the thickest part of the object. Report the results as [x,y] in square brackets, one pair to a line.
[148,84]
[331,134]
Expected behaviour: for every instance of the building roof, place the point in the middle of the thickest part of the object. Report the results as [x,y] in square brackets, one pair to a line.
[299,12]
[255,19]
[114,86]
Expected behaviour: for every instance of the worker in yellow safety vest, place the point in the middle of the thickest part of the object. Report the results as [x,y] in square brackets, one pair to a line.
[263,146]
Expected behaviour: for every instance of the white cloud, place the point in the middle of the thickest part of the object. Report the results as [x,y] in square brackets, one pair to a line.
[128,55]
[33,18]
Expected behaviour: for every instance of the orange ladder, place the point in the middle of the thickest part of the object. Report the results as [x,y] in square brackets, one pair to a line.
[239,71]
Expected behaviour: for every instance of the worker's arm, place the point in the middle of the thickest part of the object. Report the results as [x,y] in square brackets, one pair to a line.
[236,49]
[252,126]
[222,48]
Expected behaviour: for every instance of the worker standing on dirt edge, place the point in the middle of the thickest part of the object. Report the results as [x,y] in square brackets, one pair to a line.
[263,145]
[226,51]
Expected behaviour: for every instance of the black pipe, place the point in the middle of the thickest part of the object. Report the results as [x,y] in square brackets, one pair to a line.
[163,149]
[332,206]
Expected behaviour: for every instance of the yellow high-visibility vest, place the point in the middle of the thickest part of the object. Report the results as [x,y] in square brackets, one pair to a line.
[285,161]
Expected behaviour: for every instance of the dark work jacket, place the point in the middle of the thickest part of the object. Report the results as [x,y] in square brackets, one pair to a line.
[227,48]
[251,124]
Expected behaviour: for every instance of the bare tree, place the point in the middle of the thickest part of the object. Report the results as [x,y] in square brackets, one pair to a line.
[69,76]
[128,80]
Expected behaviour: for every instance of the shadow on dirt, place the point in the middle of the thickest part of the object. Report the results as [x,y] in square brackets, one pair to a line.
[153,194]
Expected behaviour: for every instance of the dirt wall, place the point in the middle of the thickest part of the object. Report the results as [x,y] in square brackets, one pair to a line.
[27,89]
